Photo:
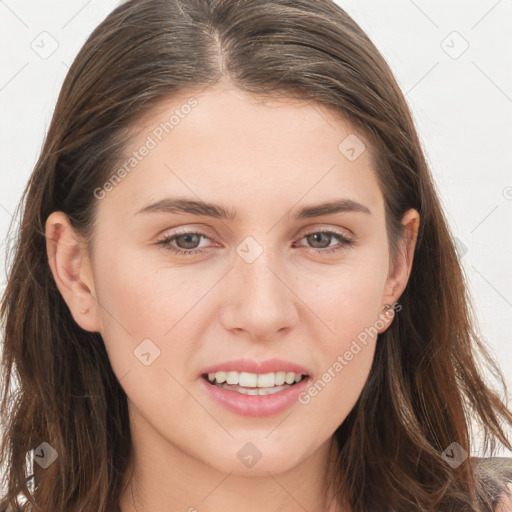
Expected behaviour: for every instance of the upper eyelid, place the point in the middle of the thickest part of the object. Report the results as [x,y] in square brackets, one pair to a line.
[306,232]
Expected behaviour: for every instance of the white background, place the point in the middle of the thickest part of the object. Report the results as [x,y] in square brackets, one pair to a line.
[461,102]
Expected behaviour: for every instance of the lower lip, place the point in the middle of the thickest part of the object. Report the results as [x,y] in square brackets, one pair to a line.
[255,405]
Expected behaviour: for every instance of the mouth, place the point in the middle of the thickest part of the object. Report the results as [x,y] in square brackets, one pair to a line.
[260,384]
[248,387]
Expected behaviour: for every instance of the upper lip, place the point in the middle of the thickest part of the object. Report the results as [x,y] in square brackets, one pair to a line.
[252,366]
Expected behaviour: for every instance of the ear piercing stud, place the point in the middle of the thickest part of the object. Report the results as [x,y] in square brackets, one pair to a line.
[387,306]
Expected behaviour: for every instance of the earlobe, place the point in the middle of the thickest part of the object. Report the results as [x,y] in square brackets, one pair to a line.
[70,267]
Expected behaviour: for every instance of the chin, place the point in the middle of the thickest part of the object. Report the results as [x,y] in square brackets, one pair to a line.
[258,457]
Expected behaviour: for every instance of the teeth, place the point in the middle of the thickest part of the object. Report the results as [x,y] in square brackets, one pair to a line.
[255,391]
[232,377]
[248,380]
[255,380]
[266,380]
[280,378]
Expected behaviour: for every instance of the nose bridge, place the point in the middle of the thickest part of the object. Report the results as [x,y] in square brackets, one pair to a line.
[263,304]
[257,268]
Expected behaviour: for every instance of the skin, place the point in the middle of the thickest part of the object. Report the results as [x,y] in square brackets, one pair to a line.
[264,160]
[505,503]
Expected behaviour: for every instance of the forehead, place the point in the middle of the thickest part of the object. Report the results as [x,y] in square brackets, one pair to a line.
[224,143]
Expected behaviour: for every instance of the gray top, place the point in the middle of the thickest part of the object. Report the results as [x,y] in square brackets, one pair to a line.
[493,475]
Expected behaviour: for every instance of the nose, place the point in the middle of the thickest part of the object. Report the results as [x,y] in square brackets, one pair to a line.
[259,299]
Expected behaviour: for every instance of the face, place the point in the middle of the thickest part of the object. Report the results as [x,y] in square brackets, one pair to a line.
[208,318]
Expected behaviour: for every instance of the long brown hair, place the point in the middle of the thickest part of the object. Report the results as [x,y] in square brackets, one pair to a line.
[424,388]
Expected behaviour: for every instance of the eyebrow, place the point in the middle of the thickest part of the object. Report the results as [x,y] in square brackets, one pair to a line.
[179,205]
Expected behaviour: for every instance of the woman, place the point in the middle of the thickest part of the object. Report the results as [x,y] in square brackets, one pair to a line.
[234,286]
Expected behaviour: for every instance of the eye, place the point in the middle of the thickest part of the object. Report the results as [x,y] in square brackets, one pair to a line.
[316,236]
[189,240]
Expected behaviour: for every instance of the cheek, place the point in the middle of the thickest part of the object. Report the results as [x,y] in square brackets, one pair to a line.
[146,298]
[343,365]
[346,298]
[348,303]
[130,310]
[148,332]
[141,299]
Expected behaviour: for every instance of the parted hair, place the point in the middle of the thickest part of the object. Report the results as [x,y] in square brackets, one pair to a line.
[426,388]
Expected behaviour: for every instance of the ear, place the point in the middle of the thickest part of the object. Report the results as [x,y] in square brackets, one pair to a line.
[400,269]
[72,271]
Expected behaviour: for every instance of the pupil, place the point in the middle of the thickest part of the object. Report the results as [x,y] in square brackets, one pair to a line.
[187,240]
[316,237]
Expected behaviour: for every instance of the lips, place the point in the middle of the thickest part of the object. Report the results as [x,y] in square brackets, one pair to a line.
[255,388]
[258,367]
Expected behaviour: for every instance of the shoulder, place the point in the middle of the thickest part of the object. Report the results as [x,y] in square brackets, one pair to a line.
[494,481]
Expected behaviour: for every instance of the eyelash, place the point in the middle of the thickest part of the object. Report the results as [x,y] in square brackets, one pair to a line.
[166,243]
